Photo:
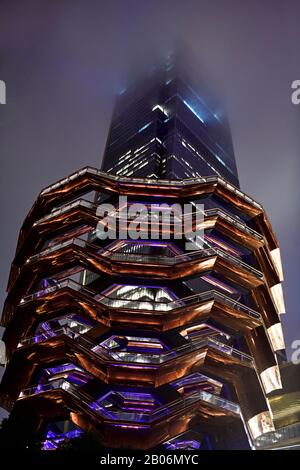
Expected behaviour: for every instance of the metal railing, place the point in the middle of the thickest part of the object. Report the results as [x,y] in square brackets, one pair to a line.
[140,305]
[151,259]
[182,258]
[208,212]
[40,388]
[157,182]
[125,357]
[58,246]
[59,285]
[170,409]
[234,221]
[174,407]
[280,437]
[46,335]
[65,208]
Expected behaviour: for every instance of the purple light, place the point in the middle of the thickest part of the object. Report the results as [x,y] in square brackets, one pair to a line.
[67,371]
[53,439]
[169,245]
[184,444]
[61,368]
[137,406]
[48,445]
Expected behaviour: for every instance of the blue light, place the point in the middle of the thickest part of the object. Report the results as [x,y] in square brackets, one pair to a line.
[193,111]
[220,160]
[144,127]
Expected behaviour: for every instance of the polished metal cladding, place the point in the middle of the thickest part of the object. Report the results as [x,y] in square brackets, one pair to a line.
[138,345]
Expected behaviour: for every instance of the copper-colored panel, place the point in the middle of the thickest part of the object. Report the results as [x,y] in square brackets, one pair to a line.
[59,404]
[86,256]
[90,179]
[60,301]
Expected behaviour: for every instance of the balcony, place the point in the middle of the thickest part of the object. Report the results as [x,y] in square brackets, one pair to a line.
[144,304]
[137,357]
[151,416]
[146,259]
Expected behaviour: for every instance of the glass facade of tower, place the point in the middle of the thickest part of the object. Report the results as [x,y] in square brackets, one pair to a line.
[167,126]
[146,343]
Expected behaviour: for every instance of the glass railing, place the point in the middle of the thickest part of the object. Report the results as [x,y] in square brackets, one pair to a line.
[239,193]
[150,358]
[177,259]
[156,182]
[58,246]
[178,217]
[128,357]
[144,304]
[279,438]
[70,178]
[149,259]
[129,304]
[221,402]
[59,285]
[194,398]
[67,207]
[229,350]
[143,416]
[40,388]
[234,221]
[170,409]
[82,341]
[46,335]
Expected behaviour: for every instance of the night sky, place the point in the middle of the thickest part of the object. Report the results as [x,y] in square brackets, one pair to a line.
[64,61]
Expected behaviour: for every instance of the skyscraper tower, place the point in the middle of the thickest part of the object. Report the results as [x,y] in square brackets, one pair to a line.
[144,342]
[169,125]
